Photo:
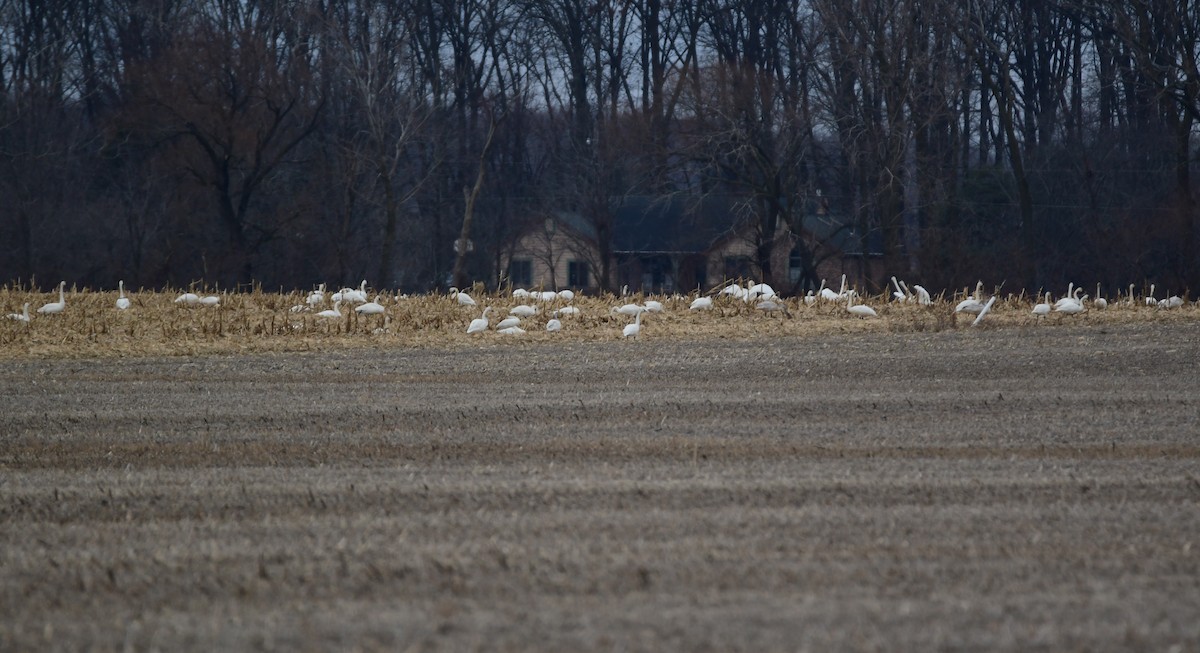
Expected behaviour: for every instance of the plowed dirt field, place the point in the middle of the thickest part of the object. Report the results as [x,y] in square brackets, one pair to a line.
[1017,489]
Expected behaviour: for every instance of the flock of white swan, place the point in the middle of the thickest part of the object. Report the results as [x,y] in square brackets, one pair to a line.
[759,295]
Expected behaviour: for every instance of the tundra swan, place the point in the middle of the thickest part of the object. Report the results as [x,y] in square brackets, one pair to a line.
[701,304]
[523,310]
[463,298]
[635,329]
[1042,310]
[335,312]
[1100,302]
[511,331]
[23,316]
[553,325]
[508,322]
[371,308]
[861,310]
[122,301]
[58,306]
[188,299]
[480,323]
[317,297]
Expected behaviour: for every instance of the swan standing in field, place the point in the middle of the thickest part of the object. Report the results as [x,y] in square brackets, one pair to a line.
[1100,302]
[122,301]
[523,310]
[510,331]
[553,325]
[652,306]
[827,293]
[1042,310]
[972,304]
[188,299]
[635,329]
[356,296]
[566,295]
[316,297]
[23,316]
[701,304]
[463,298]
[480,324]
[1150,300]
[923,297]
[629,309]
[210,300]
[1070,305]
[58,306]
[565,310]
[332,313]
[859,310]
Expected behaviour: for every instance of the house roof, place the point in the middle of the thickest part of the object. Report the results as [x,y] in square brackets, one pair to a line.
[679,224]
[669,224]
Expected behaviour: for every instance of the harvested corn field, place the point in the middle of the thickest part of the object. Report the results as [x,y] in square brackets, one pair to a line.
[1023,488]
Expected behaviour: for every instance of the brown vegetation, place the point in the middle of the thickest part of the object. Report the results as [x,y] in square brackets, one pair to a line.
[262,321]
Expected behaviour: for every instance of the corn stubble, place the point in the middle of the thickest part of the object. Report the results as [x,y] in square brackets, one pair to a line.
[258,321]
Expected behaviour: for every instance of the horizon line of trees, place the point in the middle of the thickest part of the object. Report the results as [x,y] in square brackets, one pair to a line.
[409,142]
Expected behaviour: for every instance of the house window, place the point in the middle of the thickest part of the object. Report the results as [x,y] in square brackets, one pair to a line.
[737,267]
[520,273]
[577,274]
[795,265]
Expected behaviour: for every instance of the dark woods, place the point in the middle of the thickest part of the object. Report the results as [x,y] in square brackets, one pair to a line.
[291,142]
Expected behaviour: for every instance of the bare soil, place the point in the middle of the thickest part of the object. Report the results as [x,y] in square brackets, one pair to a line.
[1016,489]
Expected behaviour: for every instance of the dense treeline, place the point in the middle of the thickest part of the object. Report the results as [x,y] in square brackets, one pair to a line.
[294,141]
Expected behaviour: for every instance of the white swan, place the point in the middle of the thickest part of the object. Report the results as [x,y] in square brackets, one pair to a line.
[986,307]
[188,299]
[523,310]
[58,306]
[1150,300]
[210,300]
[520,293]
[566,295]
[1071,306]
[628,309]
[1071,296]
[565,310]
[899,294]
[762,290]
[546,296]
[701,304]
[356,296]
[860,310]
[633,330]
[463,298]
[971,304]
[508,323]
[923,297]
[1174,301]
[827,293]
[122,301]
[23,316]
[317,297]
[553,325]
[1100,302]
[511,331]
[334,313]
[1042,310]
[653,306]
[371,308]
[480,324]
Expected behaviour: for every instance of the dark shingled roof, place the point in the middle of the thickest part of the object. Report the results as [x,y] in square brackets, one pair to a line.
[670,224]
